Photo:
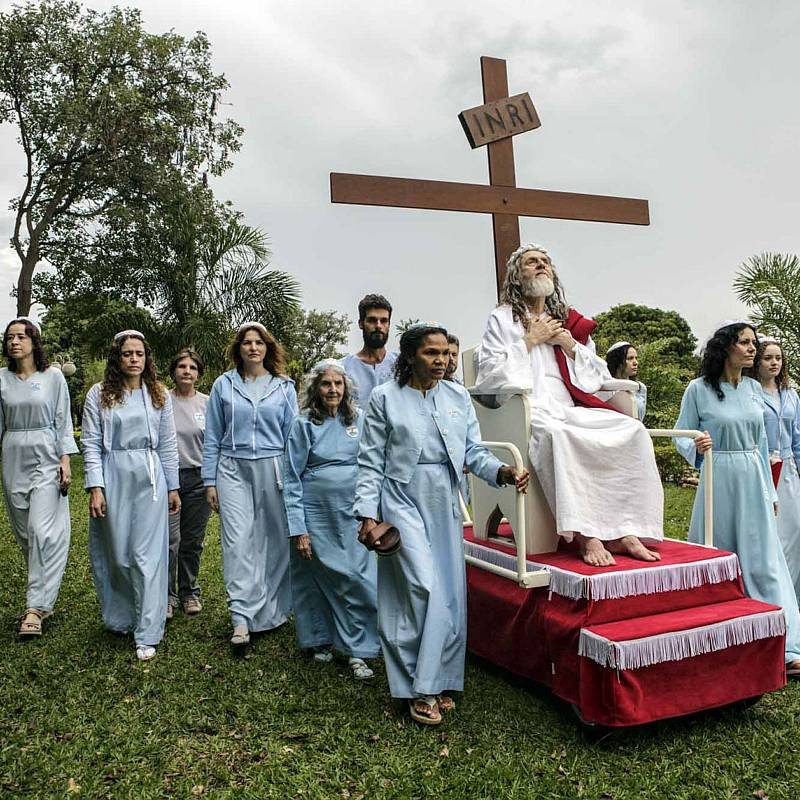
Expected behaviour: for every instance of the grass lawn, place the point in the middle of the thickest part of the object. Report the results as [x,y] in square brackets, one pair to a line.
[82,718]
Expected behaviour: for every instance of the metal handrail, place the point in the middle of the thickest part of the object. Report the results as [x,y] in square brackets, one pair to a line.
[708,484]
[538,578]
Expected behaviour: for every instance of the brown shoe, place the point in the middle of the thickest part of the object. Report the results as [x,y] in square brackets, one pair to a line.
[192,606]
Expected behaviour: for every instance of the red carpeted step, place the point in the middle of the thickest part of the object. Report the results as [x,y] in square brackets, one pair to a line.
[675,635]
[665,665]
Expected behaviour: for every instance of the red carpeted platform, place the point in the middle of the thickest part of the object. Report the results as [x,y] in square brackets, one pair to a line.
[632,643]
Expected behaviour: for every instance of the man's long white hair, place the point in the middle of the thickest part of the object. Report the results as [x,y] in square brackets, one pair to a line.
[513,293]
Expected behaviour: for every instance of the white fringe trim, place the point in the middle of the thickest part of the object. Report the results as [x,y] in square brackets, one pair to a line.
[677,645]
[623,583]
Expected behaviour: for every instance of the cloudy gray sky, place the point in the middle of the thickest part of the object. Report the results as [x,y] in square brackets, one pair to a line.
[690,105]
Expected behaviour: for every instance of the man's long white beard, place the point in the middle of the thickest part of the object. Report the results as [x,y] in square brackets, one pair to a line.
[541,286]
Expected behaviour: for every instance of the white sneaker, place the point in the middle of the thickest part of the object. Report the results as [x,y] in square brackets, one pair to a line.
[325,656]
[361,672]
[144,652]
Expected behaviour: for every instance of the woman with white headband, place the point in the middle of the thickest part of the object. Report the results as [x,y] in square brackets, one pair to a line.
[37,441]
[782,421]
[728,407]
[333,576]
[250,412]
[623,362]
[131,473]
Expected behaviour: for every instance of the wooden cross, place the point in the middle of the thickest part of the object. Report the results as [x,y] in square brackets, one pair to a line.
[500,198]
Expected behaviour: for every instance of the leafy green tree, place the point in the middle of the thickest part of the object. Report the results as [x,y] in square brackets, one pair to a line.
[643,324]
[110,119]
[665,345]
[404,324]
[217,276]
[313,335]
[769,285]
[202,273]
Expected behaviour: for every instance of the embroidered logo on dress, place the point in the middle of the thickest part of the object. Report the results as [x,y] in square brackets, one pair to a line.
[352,431]
[36,386]
[200,419]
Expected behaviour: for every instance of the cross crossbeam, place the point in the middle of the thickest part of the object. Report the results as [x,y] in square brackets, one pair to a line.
[501,198]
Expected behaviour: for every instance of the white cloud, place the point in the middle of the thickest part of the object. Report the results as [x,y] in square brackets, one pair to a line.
[690,105]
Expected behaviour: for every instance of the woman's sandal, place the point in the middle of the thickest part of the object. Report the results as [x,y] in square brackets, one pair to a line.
[31,622]
[361,672]
[424,711]
[793,668]
[445,702]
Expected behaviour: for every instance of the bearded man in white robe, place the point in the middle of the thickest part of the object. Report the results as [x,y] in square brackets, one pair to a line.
[595,465]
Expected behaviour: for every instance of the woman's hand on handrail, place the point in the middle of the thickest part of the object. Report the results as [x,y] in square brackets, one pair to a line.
[508,476]
[703,442]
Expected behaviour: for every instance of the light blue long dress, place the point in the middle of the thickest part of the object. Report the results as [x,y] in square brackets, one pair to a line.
[134,446]
[744,520]
[333,594]
[36,430]
[422,611]
[782,421]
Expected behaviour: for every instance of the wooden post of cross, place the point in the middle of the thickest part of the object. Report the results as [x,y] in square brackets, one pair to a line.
[493,125]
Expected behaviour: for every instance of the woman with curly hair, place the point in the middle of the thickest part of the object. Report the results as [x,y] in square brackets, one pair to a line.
[782,421]
[131,466]
[333,576]
[419,432]
[37,441]
[250,412]
[729,408]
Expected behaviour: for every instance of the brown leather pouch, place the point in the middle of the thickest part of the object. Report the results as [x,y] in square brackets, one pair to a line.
[384,539]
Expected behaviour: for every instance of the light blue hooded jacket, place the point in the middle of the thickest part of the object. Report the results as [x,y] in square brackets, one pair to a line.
[238,428]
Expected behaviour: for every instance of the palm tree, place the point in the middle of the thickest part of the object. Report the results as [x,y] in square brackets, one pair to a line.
[220,277]
[769,285]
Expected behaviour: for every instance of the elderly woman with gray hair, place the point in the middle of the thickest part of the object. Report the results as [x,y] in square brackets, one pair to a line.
[333,576]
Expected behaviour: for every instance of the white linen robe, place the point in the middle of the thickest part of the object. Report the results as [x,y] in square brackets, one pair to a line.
[596,467]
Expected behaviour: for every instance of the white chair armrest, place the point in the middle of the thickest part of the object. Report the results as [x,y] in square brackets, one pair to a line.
[504,390]
[619,385]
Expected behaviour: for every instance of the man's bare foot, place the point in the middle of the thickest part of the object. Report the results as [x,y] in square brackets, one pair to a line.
[631,546]
[594,554]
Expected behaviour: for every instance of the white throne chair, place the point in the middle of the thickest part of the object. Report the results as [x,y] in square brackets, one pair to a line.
[511,424]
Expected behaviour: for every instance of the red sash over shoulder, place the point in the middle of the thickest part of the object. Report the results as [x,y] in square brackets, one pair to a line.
[581,328]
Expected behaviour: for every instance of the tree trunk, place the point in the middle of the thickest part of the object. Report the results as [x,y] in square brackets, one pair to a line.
[25,283]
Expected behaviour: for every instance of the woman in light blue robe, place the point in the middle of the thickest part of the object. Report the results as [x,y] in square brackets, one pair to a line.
[333,575]
[37,441]
[250,412]
[419,432]
[782,422]
[729,409]
[131,472]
